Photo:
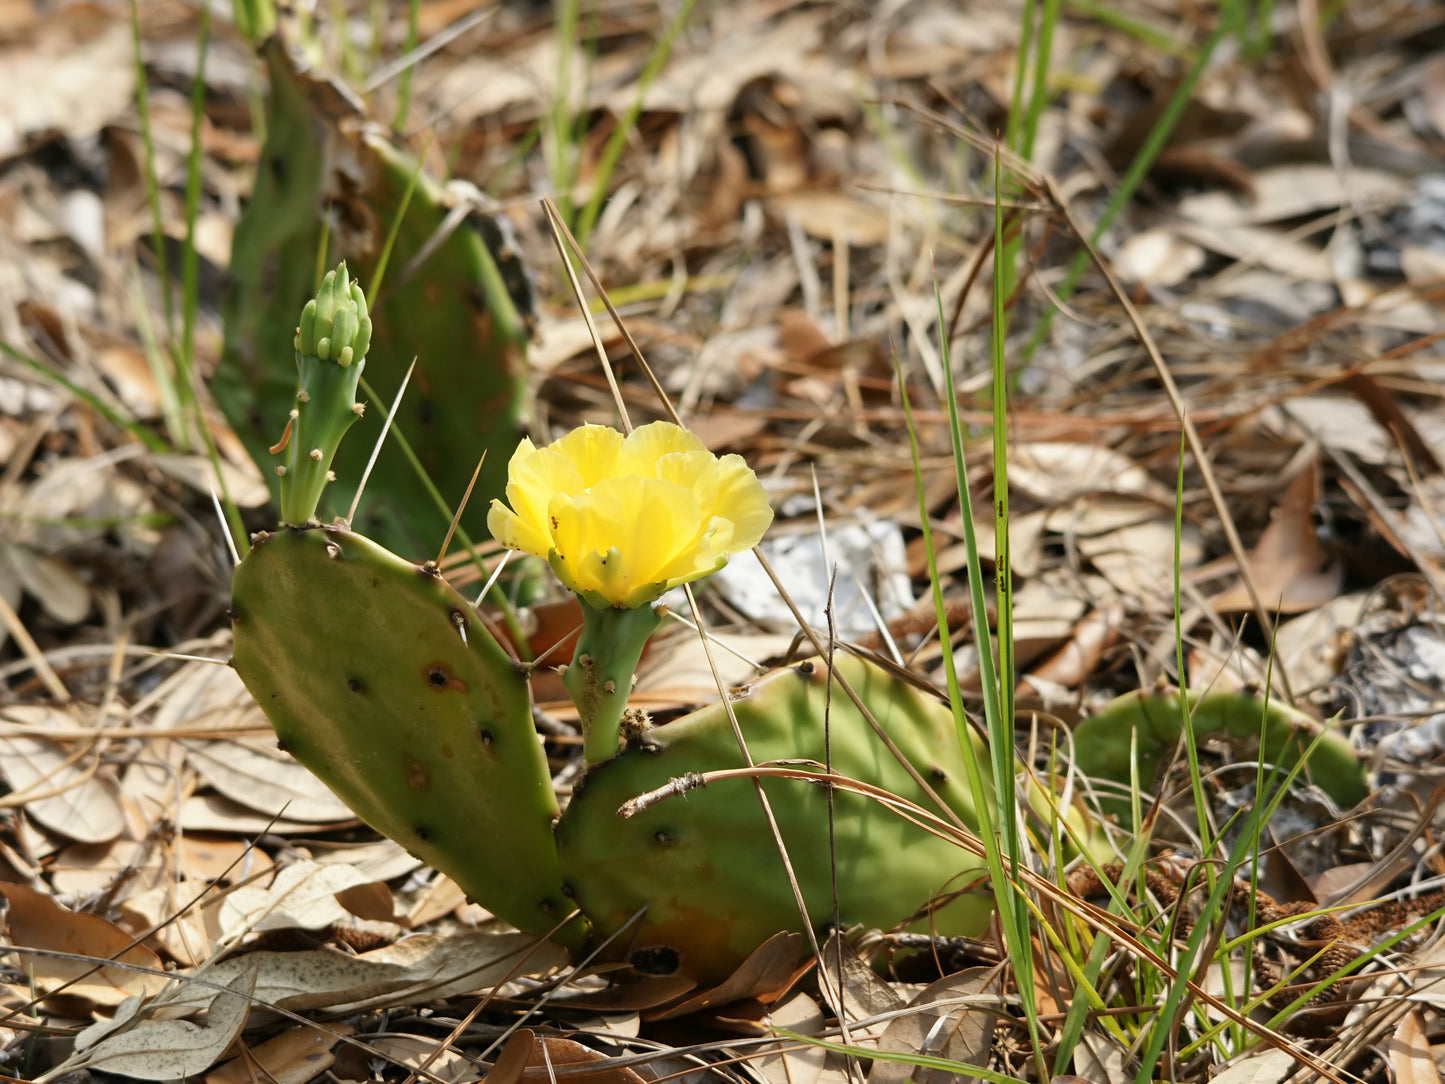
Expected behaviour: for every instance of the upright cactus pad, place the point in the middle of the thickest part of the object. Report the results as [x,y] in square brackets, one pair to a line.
[704,865]
[456,298]
[379,677]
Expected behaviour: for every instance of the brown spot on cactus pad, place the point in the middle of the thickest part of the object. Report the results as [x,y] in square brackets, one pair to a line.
[439,676]
[416,774]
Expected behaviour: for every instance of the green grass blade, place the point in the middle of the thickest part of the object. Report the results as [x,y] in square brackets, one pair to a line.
[99,405]
[403,87]
[612,152]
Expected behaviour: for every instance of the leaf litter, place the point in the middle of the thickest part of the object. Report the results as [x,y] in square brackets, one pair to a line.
[765,219]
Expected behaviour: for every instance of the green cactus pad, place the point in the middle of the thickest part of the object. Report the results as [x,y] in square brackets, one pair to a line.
[456,298]
[379,677]
[705,865]
[1103,743]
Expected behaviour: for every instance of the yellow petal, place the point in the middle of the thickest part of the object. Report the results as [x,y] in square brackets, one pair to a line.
[623,519]
[593,452]
[648,444]
[619,538]
[742,500]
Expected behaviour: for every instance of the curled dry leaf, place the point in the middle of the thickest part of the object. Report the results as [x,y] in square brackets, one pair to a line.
[179,922]
[264,780]
[1410,1054]
[940,1027]
[303,896]
[1259,1067]
[37,922]
[420,969]
[769,969]
[1288,563]
[153,1049]
[58,588]
[412,1052]
[293,1057]
[552,1052]
[794,1064]
[1057,471]
[70,797]
[243,481]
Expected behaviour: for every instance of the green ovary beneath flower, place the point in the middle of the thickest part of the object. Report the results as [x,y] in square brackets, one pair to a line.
[623,519]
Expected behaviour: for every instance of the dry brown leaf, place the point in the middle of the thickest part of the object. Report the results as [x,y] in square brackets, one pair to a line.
[86,869]
[78,74]
[250,772]
[1054,472]
[423,968]
[412,1052]
[178,912]
[72,796]
[769,968]
[37,921]
[243,481]
[153,1049]
[1072,664]
[1263,1066]
[1288,562]
[213,813]
[835,217]
[1293,191]
[793,1064]
[205,696]
[941,1029]
[1139,560]
[854,990]
[295,1056]
[1410,1054]
[381,860]
[552,1052]
[302,896]
[1158,257]
[56,586]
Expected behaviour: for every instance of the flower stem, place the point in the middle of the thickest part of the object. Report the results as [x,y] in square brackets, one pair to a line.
[600,677]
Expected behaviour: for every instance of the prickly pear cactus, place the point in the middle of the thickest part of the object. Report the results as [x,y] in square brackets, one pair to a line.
[380,678]
[377,675]
[455,297]
[1105,743]
[705,866]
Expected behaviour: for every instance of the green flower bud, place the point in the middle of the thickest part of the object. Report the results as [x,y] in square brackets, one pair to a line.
[332,338]
[334,325]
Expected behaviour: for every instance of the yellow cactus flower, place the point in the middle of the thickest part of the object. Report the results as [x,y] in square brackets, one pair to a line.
[623,519]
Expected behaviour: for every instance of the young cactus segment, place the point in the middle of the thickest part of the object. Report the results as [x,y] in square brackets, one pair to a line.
[1103,743]
[378,677]
[331,345]
[705,865]
[599,678]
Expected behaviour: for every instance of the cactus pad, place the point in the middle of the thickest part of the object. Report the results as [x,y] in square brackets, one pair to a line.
[381,679]
[705,864]
[1104,743]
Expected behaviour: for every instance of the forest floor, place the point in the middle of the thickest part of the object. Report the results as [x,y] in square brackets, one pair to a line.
[800,199]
